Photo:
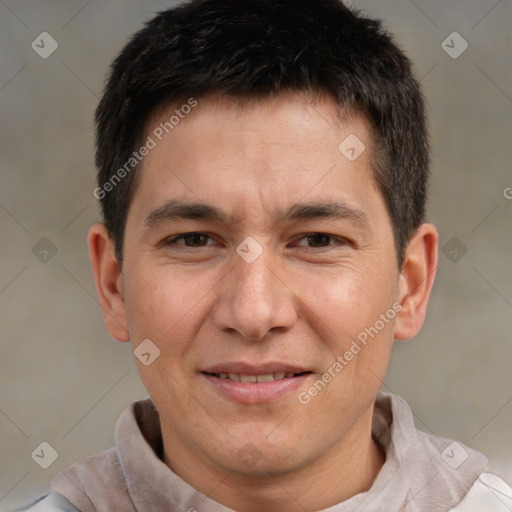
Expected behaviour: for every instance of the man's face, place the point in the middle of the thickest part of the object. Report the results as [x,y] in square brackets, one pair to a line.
[318,269]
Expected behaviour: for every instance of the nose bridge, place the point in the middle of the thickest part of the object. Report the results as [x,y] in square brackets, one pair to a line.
[254,300]
[254,280]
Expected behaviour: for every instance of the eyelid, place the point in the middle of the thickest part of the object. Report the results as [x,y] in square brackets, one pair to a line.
[339,239]
[172,239]
[335,240]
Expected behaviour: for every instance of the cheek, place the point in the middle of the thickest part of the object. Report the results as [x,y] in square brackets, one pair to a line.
[156,305]
[163,308]
[348,300]
[359,342]
[355,317]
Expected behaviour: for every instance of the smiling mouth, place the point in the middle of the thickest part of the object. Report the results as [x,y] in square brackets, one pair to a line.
[255,379]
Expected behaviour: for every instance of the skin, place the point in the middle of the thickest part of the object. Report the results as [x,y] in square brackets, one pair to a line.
[301,302]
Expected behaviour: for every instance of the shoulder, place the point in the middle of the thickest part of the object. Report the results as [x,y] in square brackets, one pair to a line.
[488,494]
[53,502]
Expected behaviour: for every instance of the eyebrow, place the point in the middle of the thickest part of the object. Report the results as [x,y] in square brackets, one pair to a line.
[175,210]
[320,210]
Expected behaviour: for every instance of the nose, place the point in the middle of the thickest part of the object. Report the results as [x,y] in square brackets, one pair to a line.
[254,300]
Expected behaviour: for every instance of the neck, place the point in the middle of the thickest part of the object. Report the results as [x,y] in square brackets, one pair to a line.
[347,469]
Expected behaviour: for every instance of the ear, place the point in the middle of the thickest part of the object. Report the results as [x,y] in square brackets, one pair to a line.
[109,281]
[416,281]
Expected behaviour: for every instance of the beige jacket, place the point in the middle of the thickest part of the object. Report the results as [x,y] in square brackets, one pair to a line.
[421,473]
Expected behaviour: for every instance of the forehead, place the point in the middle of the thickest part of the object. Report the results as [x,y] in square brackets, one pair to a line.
[270,152]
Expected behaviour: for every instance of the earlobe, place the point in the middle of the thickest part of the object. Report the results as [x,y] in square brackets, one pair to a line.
[416,281]
[108,281]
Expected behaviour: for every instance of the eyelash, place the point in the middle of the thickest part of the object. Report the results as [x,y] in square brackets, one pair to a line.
[172,240]
[339,240]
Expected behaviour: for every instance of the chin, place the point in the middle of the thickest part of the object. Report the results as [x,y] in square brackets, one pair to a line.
[256,456]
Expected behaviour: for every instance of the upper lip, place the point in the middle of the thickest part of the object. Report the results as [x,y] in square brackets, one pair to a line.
[254,369]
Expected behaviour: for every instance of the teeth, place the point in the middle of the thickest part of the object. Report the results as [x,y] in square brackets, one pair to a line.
[247,378]
[268,377]
[265,378]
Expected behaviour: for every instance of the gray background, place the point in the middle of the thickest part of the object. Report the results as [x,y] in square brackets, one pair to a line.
[64,381]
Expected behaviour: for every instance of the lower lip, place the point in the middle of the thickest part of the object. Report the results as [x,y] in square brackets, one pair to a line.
[256,392]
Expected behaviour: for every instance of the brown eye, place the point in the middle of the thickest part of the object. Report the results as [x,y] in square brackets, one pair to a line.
[319,240]
[196,240]
[190,240]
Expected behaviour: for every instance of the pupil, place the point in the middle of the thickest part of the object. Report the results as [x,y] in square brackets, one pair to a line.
[319,239]
[196,239]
